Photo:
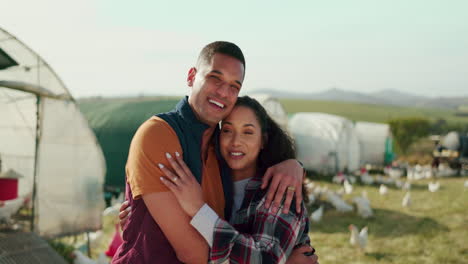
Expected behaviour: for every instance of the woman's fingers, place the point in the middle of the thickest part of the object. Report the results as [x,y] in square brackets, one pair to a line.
[289,197]
[182,164]
[169,175]
[175,165]
[169,184]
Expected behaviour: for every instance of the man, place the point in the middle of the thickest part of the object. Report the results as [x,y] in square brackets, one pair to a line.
[158,230]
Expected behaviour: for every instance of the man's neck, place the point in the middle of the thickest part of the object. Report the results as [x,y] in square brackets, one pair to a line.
[206,140]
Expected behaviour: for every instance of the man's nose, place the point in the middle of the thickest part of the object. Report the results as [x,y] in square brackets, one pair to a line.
[223,89]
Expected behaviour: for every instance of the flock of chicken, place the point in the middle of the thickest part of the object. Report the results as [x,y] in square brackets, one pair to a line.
[317,195]
[322,196]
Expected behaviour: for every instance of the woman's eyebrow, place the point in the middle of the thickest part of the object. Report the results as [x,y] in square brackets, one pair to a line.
[245,125]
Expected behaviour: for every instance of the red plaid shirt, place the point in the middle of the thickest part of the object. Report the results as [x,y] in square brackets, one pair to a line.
[255,234]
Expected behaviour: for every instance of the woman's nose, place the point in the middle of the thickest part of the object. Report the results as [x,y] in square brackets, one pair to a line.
[235,139]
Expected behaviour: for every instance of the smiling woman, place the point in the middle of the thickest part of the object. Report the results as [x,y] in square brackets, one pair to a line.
[250,141]
[241,140]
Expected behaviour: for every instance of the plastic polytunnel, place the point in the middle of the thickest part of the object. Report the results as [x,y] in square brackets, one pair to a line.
[274,108]
[325,143]
[376,143]
[45,138]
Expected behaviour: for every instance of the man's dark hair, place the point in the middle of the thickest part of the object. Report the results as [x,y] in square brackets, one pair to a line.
[222,47]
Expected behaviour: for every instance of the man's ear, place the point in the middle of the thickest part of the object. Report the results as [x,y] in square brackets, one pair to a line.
[191,76]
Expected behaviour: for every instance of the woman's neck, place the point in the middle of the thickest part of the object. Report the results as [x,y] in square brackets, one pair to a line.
[242,174]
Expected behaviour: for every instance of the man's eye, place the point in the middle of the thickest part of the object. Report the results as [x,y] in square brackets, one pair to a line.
[235,87]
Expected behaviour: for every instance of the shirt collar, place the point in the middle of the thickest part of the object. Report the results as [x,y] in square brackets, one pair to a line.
[187,114]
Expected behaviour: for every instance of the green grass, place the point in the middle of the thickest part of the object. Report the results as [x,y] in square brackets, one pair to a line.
[433,230]
[368,112]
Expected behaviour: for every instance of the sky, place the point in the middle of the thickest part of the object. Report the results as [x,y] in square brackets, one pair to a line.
[126,48]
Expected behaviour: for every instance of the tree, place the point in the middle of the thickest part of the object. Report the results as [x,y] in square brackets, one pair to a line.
[408,130]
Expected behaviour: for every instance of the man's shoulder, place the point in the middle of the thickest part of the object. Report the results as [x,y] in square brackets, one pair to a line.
[155,124]
[155,129]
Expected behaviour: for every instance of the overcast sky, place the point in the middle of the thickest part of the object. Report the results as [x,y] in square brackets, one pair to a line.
[119,48]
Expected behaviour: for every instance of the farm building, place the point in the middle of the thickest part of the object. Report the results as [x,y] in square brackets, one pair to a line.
[376,143]
[325,143]
[46,140]
[115,122]
[274,108]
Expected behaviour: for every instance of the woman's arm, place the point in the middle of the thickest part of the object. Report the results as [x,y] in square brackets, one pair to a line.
[271,238]
[273,233]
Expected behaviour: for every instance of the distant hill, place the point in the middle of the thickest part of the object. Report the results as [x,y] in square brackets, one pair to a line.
[384,97]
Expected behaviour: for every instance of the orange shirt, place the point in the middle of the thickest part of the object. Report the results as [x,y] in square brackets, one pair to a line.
[152,140]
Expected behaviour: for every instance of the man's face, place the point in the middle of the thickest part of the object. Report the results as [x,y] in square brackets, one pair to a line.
[215,87]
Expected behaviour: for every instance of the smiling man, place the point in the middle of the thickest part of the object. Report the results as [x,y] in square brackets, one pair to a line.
[158,230]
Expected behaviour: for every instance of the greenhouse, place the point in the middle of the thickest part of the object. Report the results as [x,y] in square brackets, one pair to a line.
[376,143]
[46,140]
[325,143]
[274,108]
[115,121]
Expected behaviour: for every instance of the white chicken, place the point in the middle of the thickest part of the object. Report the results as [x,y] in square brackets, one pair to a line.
[352,179]
[383,190]
[338,203]
[399,184]
[9,208]
[316,215]
[445,171]
[367,179]
[309,185]
[358,238]
[347,187]
[112,210]
[466,184]
[103,259]
[407,186]
[81,258]
[312,198]
[339,178]
[395,173]
[364,208]
[433,186]
[406,200]
[427,172]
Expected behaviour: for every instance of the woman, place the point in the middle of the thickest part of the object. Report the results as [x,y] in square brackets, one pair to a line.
[250,142]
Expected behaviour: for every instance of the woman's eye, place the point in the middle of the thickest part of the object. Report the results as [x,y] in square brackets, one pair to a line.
[225,130]
[248,132]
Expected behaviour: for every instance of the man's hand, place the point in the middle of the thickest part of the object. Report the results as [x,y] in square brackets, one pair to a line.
[124,214]
[299,256]
[286,177]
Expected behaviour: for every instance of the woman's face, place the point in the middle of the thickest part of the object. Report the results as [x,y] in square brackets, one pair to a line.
[241,139]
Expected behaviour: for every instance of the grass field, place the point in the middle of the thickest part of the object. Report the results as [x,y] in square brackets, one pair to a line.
[353,111]
[433,230]
[368,112]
